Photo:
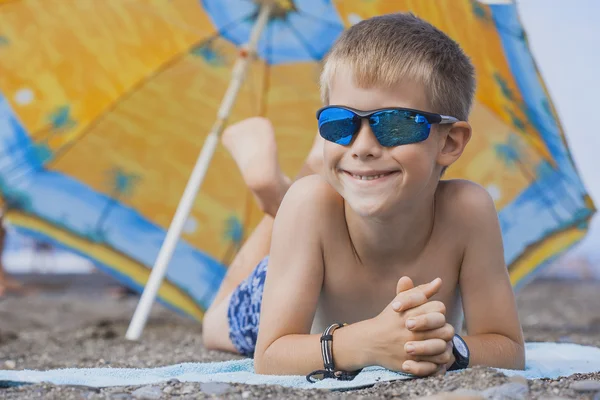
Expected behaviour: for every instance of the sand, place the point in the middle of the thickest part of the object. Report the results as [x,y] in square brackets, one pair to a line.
[72,322]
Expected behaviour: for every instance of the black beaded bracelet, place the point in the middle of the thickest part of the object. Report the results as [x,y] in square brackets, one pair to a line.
[328,364]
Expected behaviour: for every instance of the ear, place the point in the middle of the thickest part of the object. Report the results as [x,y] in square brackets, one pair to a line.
[453,143]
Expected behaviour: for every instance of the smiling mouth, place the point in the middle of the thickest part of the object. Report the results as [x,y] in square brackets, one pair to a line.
[370,177]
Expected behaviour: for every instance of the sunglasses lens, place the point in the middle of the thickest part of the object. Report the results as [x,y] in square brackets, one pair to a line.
[338,125]
[398,127]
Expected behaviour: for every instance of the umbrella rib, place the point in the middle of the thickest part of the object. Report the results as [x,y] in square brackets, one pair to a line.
[304,43]
[510,31]
[266,77]
[134,88]
[317,18]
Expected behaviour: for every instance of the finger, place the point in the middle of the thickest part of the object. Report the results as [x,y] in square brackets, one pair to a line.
[404,284]
[443,360]
[432,287]
[432,306]
[429,347]
[440,359]
[416,296]
[419,368]
[426,322]
[445,333]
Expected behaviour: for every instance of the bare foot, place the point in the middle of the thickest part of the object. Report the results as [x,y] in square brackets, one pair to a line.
[252,145]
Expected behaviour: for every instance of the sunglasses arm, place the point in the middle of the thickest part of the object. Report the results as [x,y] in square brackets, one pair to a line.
[448,120]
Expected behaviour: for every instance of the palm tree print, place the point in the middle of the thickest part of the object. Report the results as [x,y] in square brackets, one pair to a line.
[546,172]
[208,52]
[234,234]
[59,121]
[506,92]
[516,121]
[39,148]
[122,185]
[511,154]
[480,11]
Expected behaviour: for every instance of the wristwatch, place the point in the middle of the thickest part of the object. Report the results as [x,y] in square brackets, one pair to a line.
[460,350]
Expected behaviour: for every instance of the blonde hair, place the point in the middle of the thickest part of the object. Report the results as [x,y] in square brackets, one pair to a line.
[384,50]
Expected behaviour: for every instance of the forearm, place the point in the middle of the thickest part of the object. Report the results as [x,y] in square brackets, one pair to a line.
[301,354]
[494,350]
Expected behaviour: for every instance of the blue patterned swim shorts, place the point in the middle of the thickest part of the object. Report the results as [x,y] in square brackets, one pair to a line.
[244,310]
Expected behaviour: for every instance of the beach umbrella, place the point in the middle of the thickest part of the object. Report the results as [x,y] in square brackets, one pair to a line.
[106,107]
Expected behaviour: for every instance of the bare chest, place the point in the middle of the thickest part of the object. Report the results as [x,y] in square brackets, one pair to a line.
[354,291]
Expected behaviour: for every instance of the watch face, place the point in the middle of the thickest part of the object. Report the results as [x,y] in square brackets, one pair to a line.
[460,346]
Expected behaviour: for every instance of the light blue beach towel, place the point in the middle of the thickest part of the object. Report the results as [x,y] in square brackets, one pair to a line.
[544,360]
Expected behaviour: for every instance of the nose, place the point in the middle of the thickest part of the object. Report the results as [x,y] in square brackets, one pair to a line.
[365,144]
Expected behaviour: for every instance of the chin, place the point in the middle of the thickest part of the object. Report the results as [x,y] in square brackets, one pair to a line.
[368,209]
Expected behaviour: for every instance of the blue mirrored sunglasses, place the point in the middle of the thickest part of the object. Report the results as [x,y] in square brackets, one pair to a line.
[391,126]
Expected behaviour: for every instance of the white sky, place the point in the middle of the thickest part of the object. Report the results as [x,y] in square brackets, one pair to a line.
[564,36]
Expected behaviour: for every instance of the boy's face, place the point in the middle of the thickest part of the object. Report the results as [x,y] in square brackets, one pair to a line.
[399,175]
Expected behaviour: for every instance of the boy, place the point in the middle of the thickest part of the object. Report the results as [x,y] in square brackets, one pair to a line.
[345,240]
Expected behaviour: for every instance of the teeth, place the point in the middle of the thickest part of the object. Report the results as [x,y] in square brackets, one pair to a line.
[367,178]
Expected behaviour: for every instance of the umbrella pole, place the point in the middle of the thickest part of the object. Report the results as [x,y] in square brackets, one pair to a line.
[240,68]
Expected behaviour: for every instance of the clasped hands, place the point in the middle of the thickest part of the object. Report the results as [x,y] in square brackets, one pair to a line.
[411,334]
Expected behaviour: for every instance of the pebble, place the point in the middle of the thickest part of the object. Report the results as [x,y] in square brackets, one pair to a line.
[168,389]
[508,391]
[187,389]
[245,395]
[120,396]
[10,364]
[147,393]
[460,394]
[173,381]
[519,379]
[214,387]
[586,386]
[468,393]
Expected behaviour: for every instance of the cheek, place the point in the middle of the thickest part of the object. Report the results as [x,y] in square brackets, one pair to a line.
[415,159]
[332,153]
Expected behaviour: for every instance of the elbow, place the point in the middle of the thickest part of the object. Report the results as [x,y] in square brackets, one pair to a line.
[259,363]
[260,368]
[268,361]
[262,364]
[519,355]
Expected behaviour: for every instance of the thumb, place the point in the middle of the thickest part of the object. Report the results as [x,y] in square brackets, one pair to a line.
[415,296]
[404,284]
[432,287]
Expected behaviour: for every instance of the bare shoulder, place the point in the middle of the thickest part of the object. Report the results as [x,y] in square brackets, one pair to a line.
[465,203]
[312,193]
[310,201]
